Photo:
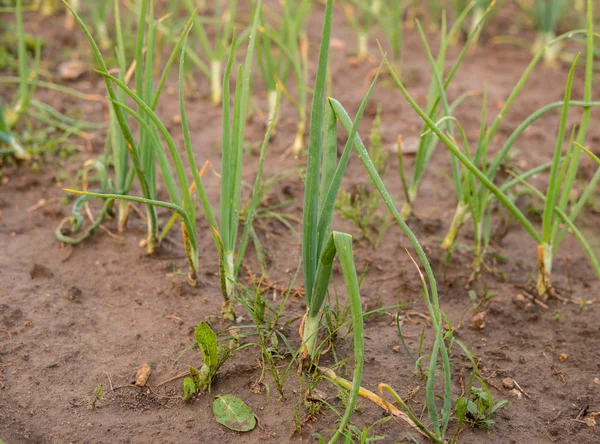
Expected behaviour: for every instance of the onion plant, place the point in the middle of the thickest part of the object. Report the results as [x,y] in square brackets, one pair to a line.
[323,179]
[222,23]
[476,201]
[180,190]
[477,13]
[98,12]
[428,140]
[121,139]
[282,51]
[10,117]
[364,15]
[545,15]
[47,7]
[322,182]
[561,172]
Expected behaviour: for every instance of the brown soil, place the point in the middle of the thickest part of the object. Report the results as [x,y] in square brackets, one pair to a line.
[75,318]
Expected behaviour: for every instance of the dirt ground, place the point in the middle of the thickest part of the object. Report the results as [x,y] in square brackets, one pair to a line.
[73,318]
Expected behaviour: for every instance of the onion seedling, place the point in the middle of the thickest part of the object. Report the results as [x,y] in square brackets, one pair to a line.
[428,140]
[142,152]
[363,15]
[182,203]
[288,37]
[47,7]
[98,11]
[323,179]
[476,202]
[361,20]
[10,117]
[322,174]
[222,23]
[478,12]
[545,15]
[567,172]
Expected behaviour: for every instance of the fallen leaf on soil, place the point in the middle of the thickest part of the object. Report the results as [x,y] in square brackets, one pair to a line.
[234,413]
[477,322]
[563,357]
[143,374]
[71,70]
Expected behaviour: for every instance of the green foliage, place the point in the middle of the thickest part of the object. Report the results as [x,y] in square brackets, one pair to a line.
[486,296]
[477,408]
[96,396]
[214,357]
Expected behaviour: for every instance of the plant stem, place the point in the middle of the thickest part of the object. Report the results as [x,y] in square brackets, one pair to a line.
[122,214]
[545,260]
[272,102]
[461,215]
[152,239]
[407,208]
[310,334]
[551,53]
[363,46]
[298,145]
[229,275]
[478,252]
[215,82]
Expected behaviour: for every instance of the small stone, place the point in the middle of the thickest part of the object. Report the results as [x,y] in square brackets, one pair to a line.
[71,70]
[521,301]
[176,119]
[563,357]
[143,374]
[477,322]
[408,145]
[337,43]
[396,348]
[74,294]
[596,380]
[508,383]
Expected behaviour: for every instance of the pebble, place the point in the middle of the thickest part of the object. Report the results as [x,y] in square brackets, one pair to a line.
[508,383]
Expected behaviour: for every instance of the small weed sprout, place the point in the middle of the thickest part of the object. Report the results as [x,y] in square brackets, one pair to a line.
[214,357]
[477,408]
